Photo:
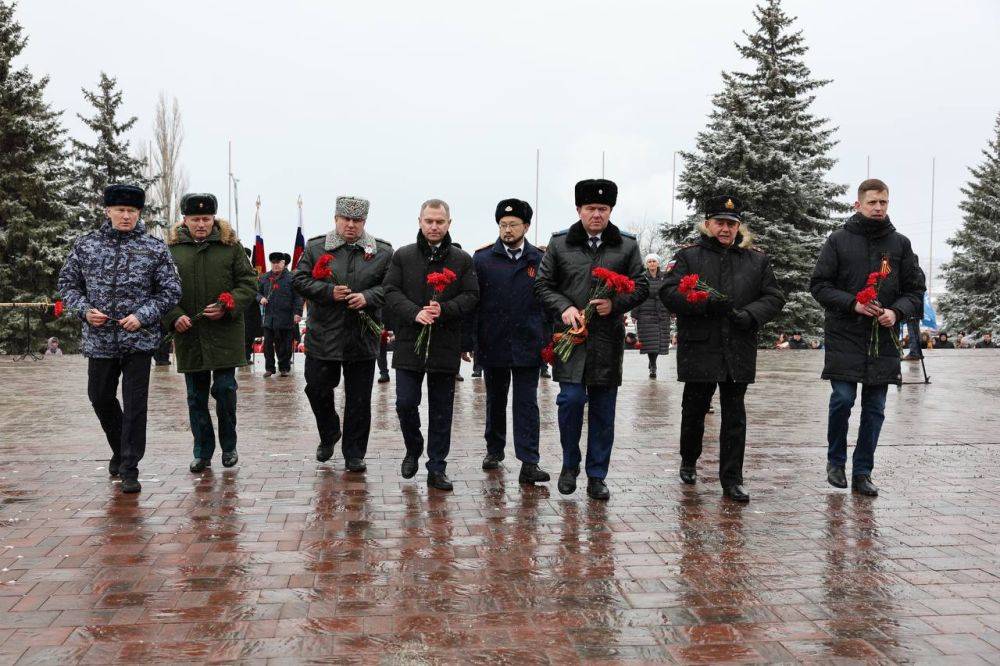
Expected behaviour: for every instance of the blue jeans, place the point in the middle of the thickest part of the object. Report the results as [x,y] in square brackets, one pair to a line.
[440,404]
[872,416]
[525,412]
[600,425]
[221,384]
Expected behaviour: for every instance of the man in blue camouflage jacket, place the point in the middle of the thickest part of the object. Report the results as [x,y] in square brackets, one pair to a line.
[120,282]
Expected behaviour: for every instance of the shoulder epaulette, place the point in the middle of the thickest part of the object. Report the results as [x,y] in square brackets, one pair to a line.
[562,232]
[316,238]
[383,241]
[484,247]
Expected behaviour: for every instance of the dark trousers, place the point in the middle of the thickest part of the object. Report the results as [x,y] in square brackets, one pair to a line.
[440,403]
[383,359]
[913,330]
[278,341]
[124,423]
[600,425]
[162,354]
[525,411]
[732,435]
[872,416]
[221,385]
[324,376]
[652,361]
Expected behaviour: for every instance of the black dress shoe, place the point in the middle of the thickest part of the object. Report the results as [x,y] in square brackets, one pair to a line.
[131,486]
[491,461]
[835,476]
[689,475]
[383,379]
[355,465]
[113,465]
[532,473]
[268,373]
[736,493]
[459,378]
[229,458]
[477,373]
[652,374]
[199,465]
[409,467]
[325,451]
[284,373]
[863,484]
[439,480]
[545,373]
[567,480]
[597,489]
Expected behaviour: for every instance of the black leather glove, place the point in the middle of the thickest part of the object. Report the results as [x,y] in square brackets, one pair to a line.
[742,320]
[718,307]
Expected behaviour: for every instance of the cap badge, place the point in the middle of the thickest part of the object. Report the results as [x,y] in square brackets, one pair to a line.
[201,205]
[729,204]
[600,191]
[509,209]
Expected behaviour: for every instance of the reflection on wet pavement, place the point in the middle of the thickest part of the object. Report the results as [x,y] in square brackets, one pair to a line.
[283,559]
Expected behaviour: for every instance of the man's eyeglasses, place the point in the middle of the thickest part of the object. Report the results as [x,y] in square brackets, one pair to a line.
[510,227]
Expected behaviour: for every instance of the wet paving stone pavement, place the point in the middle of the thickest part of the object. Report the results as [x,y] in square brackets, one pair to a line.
[285,560]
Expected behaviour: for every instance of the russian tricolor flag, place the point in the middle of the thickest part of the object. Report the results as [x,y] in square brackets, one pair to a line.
[258,245]
[300,240]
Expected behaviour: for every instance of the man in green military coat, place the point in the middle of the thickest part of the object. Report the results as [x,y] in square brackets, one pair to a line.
[208,336]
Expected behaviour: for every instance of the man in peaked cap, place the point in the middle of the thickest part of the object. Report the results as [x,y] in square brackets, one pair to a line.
[282,312]
[717,337]
[208,338]
[508,330]
[339,340]
[593,372]
[120,281]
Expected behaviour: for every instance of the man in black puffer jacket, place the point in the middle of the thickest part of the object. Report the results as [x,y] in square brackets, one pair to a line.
[849,255]
[717,337]
[412,304]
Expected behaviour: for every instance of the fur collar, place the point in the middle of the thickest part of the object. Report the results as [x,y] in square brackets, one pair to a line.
[179,233]
[366,242]
[744,238]
[577,235]
[427,250]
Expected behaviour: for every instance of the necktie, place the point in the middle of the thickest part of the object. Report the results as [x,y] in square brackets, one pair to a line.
[514,254]
[594,242]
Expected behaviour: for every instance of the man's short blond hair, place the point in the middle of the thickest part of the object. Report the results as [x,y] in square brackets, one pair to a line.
[436,203]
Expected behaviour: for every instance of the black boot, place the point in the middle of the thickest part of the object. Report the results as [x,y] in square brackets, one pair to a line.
[131,486]
[567,480]
[325,451]
[736,493]
[835,476]
[439,480]
[862,484]
[199,465]
[355,465]
[532,473]
[229,458]
[409,467]
[113,465]
[597,489]
[491,461]
[689,475]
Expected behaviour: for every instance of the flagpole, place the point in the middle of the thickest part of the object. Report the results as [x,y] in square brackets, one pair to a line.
[538,162]
[229,189]
[930,252]
[673,188]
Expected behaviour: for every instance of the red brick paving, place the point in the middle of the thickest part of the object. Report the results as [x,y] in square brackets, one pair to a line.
[284,560]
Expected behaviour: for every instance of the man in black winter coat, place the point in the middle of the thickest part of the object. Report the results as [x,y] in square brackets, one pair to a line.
[413,304]
[861,337]
[717,336]
[282,312]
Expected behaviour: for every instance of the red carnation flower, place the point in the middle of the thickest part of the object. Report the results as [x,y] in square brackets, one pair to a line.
[696,296]
[873,279]
[227,301]
[866,295]
[637,345]
[57,309]
[321,270]
[688,283]
[548,355]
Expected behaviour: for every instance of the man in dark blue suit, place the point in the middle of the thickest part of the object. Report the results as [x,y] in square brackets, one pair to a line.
[508,337]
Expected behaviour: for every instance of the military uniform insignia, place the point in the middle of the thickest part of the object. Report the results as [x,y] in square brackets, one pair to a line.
[730,205]
[509,209]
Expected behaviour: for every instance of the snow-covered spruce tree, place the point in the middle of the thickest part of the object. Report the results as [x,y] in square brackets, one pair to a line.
[35,233]
[973,274]
[109,159]
[763,145]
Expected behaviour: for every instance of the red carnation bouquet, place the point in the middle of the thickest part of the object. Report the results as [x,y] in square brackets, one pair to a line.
[322,271]
[870,295]
[439,281]
[696,290]
[609,283]
[224,300]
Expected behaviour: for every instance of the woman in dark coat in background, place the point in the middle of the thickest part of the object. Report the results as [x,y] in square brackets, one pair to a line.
[652,319]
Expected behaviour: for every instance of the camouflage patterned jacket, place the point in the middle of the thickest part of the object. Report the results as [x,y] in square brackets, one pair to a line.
[119,274]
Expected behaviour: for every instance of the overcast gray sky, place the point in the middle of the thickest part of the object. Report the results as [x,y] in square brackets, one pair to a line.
[403,101]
